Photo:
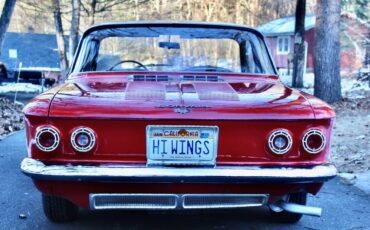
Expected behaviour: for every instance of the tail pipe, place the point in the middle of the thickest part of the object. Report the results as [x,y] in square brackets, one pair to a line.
[296,208]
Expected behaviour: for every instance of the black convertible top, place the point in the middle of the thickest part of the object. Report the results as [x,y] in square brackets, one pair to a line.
[170,24]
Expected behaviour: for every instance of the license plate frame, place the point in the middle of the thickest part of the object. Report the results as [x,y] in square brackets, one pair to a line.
[163,160]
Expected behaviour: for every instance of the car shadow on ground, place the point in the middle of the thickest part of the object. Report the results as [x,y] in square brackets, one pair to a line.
[197,219]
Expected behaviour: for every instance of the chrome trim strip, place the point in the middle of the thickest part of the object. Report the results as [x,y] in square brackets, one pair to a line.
[271,140]
[135,201]
[134,173]
[47,129]
[175,201]
[307,135]
[242,202]
[88,131]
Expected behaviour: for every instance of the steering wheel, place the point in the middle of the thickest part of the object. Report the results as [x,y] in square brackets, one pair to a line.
[140,65]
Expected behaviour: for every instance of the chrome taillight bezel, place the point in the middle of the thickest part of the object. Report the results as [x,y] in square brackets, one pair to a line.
[307,135]
[280,132]
[51,130]
[91,135]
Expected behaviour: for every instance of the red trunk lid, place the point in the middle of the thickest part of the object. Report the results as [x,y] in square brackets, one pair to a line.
[236,98]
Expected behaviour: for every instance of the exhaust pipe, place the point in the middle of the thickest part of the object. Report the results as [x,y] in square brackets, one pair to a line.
[296,208]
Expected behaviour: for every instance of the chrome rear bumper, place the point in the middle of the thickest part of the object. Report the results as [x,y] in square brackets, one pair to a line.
[175,201]
[220,174]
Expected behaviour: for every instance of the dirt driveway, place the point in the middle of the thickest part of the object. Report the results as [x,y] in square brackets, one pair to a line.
[351,136]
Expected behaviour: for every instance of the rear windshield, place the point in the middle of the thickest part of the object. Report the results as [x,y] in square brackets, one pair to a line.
[173,49]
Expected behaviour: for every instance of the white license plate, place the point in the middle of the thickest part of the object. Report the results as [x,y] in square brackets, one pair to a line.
[181,145]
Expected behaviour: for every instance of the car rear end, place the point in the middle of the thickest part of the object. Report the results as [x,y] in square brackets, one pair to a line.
[196,132]
[172,164]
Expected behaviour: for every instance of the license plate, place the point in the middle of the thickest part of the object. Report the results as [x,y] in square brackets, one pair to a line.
[181,145]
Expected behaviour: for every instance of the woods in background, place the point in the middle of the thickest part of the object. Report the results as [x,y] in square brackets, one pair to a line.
[71,17]
[248,12]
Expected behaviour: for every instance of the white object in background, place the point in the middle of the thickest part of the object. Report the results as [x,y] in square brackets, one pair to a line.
[13,53]
[42,81]
[16,91]
[305,58]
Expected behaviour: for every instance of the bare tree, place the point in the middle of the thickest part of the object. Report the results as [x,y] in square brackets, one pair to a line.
[5,19]
[248,12]
[299,46]
[75,25]
[94,7]
[327,50]
[60,38]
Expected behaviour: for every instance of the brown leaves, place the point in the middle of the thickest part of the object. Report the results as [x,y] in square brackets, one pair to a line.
[11,117]
[350,142]
[352,104]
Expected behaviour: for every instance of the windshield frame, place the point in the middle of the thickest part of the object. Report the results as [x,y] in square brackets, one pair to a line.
[123,25]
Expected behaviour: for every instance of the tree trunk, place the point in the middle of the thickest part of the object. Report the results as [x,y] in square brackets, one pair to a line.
[299,47]
[327,50]
[5,19]
[60,39]
[75,24]
[92,12]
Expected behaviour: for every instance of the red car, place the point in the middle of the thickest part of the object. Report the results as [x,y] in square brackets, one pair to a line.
[176,116]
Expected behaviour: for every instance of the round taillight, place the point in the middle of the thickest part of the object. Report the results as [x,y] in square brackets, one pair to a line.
[47,139]
[83,139]
[314,141]
[280,141]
